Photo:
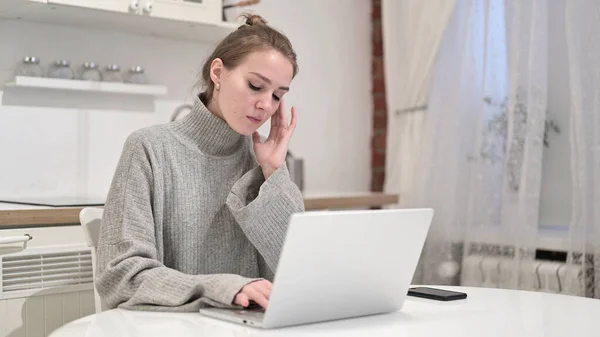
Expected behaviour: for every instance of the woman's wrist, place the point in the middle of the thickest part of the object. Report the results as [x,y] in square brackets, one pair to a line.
[268,171]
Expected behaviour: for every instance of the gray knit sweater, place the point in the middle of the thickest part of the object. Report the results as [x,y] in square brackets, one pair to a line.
[189,219]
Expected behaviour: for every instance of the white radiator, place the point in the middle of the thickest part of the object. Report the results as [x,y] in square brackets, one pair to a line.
[535,275]
[46,285]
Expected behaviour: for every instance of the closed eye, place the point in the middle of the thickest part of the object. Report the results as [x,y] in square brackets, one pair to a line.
[253,87]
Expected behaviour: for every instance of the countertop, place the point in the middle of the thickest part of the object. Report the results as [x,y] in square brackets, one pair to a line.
[12,215]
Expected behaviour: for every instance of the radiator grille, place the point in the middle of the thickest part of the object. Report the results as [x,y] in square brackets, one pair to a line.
[36,271]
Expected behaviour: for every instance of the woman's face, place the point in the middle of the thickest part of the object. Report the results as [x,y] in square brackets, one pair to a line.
[248,95]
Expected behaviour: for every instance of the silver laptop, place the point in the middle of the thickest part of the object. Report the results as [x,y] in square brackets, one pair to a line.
[340,264]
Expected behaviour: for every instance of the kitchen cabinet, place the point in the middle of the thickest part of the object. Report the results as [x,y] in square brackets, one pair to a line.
[199,11]
[124,6]
[191,11]
[193,20]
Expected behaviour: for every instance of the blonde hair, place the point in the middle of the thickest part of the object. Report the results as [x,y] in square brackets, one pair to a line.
[254,35]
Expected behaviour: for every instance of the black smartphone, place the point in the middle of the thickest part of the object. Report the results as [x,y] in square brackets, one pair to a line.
[436,294]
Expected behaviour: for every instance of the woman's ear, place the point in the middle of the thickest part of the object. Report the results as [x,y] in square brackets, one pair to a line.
[216,69]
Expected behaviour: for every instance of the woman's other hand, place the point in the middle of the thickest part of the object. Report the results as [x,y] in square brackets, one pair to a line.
[257,291]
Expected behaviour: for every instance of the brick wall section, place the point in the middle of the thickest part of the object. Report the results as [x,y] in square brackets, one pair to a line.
[378,138]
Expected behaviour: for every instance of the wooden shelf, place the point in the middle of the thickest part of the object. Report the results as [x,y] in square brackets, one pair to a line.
[87,86]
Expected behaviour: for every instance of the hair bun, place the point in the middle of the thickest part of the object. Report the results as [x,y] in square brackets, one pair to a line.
[254,20]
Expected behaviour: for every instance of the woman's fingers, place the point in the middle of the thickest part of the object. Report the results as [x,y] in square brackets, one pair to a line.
[242,299]
[256,296]
[292,126]
[258,291]
[264,290]
[282,115]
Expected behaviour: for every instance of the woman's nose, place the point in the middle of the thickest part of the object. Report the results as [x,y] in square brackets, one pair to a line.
[264,103]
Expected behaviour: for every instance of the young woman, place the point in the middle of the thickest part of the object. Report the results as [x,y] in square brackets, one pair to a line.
[198,208]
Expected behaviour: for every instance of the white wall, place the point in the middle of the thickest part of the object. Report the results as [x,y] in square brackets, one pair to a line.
[60,152]
[555,203]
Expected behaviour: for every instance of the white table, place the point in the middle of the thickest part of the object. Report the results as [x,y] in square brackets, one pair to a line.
[486,312]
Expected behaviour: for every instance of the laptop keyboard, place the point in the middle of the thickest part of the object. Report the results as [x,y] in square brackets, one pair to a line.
[255,307]
[257,315]
[253,311]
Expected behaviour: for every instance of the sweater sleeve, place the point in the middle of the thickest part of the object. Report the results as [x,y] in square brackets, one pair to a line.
[130,273]
[263,208]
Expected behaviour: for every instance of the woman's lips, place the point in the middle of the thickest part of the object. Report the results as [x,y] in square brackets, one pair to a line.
[254,120]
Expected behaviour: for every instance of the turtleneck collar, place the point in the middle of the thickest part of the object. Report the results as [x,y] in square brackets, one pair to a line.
[210,133]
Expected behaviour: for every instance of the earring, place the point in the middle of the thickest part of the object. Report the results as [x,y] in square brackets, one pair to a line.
[218,86]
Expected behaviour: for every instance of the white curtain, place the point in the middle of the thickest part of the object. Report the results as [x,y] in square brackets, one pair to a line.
[583,41]
[412,31]
[483,139]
